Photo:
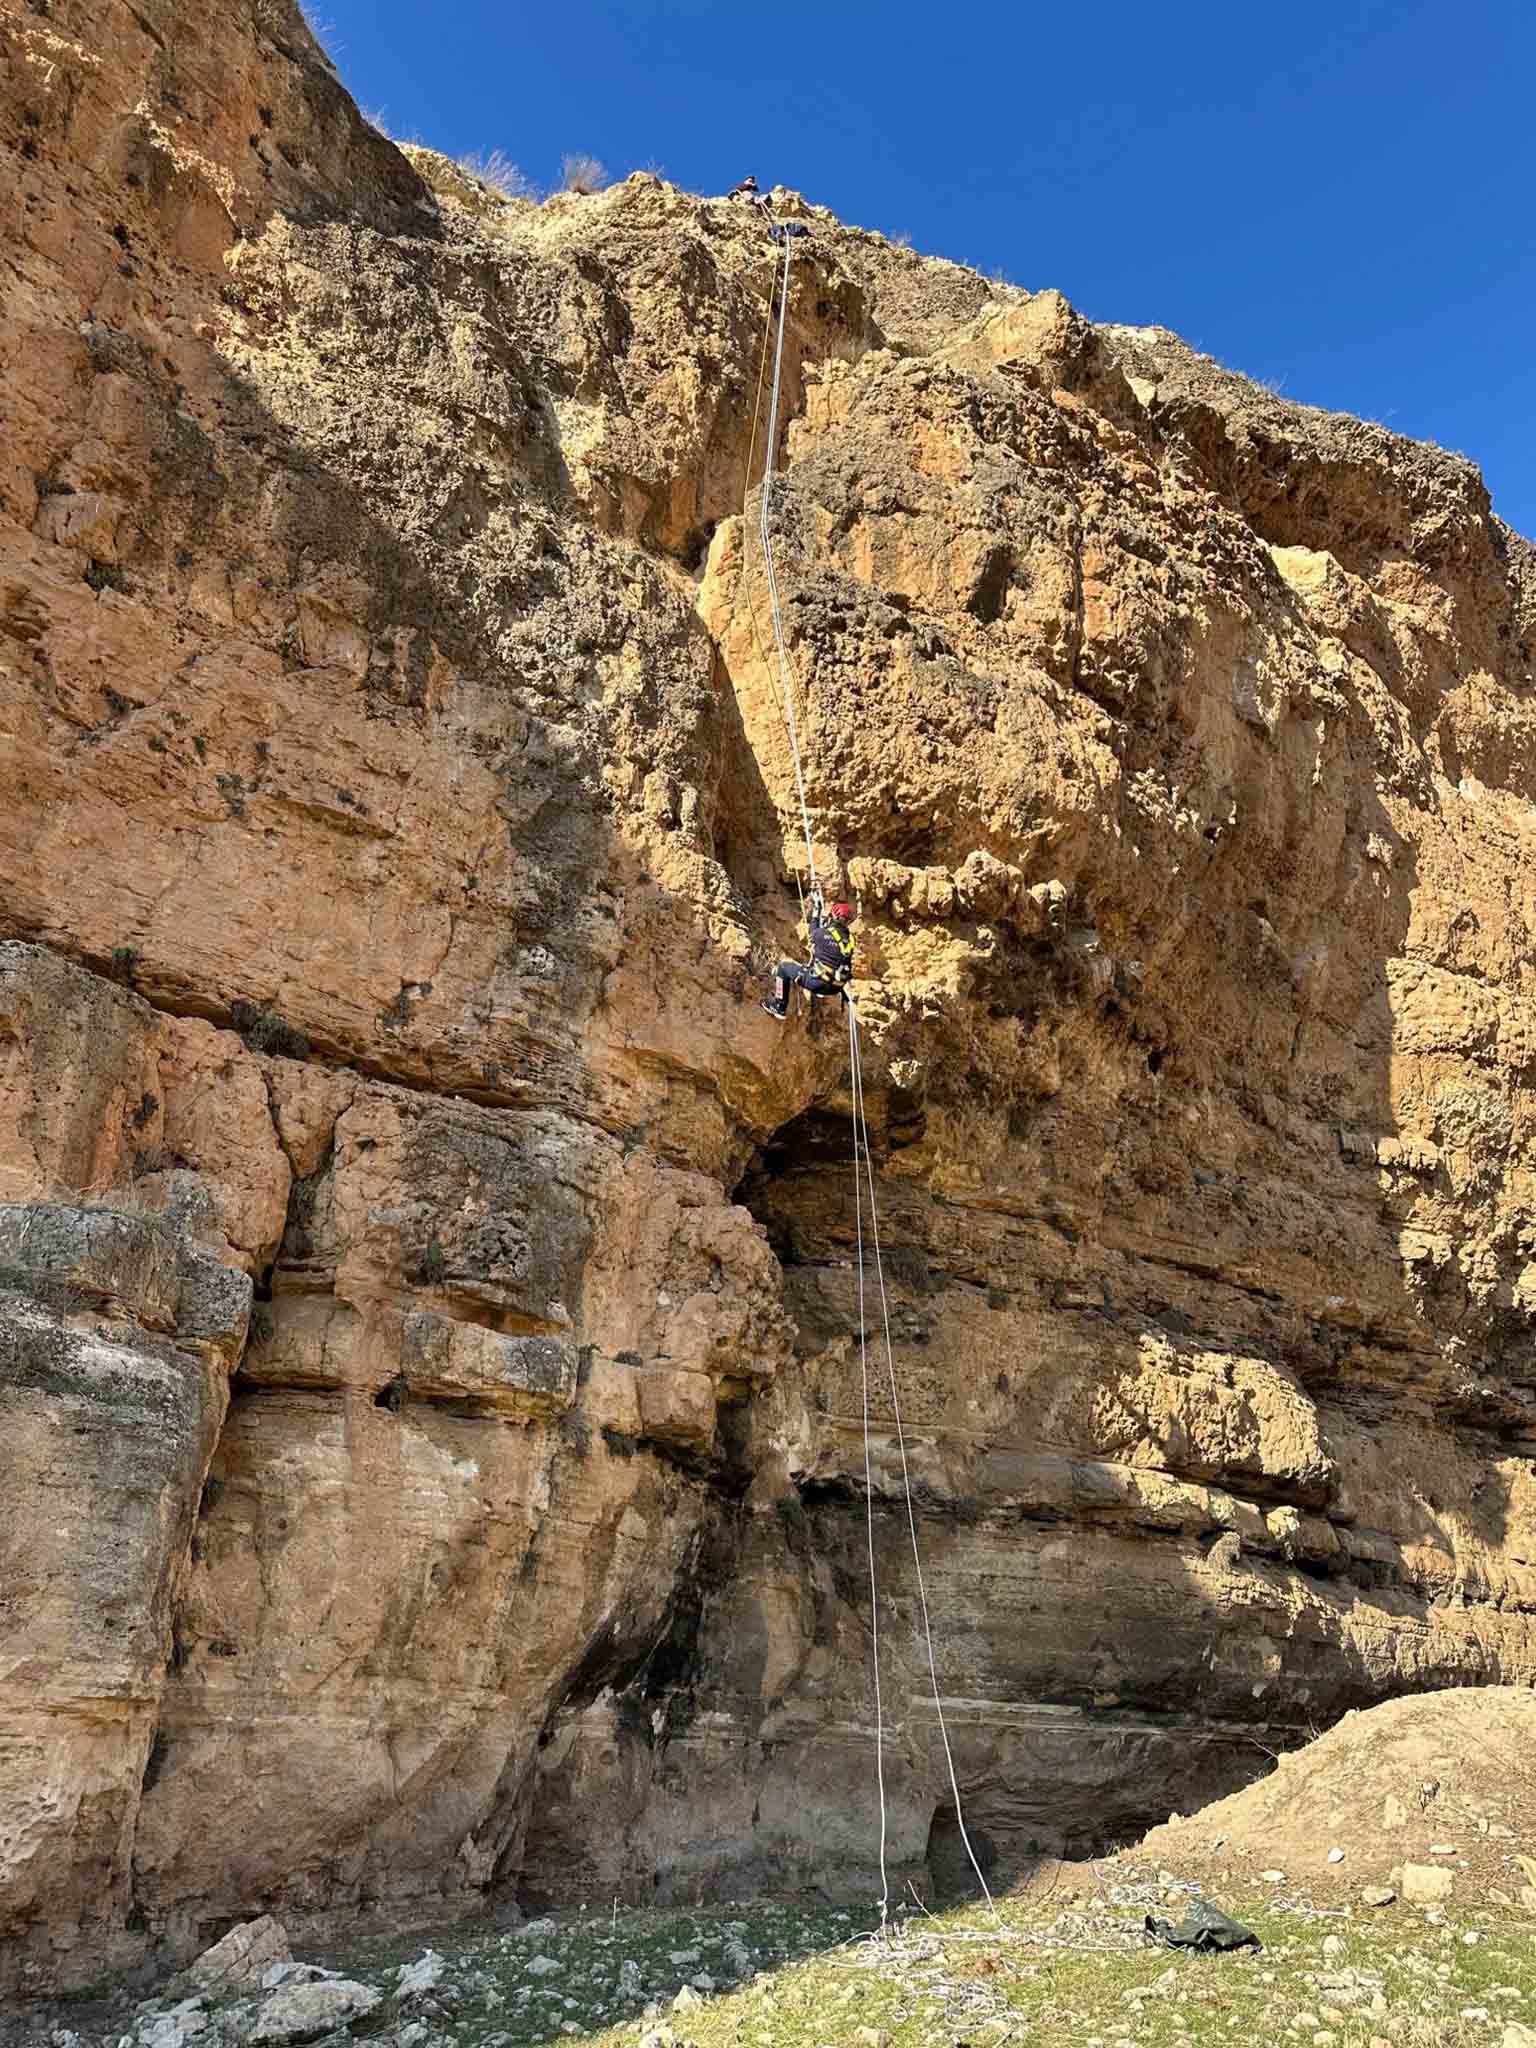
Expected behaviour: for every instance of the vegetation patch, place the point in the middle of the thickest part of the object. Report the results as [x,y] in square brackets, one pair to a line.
[265,1031]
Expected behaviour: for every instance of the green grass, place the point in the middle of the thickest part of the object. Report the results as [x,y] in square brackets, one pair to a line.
[1044,1968]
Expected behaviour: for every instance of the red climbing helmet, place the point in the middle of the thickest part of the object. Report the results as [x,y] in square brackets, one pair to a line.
[843,912]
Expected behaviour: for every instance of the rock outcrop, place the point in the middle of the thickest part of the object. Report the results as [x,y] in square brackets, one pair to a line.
[434,1457]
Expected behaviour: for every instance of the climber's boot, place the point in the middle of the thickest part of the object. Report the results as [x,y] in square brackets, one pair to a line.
[779,1010]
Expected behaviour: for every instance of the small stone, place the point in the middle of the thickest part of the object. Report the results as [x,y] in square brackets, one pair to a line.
[1517,2035]
[1273,1876]
[1474,2012]
[1323,2039]
[1377,1895]
[1442,1849]
[1335,1855]
[1332,1946]
[1425,1884]
[421,1976]
[276,1974]
[872,2037]
[543,1966]
[686,1999]
[173,2029]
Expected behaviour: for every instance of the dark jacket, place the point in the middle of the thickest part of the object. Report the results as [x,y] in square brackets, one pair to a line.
[832,950]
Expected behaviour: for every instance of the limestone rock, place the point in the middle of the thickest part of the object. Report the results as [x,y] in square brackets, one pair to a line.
[434,1320]
[414,1979]
[302,2012]
[1426,1884]
[185,2022]
[242,1961]
[678,1408]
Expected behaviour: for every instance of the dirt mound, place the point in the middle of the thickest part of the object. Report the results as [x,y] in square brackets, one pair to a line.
[1444,1778]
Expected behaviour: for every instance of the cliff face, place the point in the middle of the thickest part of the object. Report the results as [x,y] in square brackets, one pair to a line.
[432,1456]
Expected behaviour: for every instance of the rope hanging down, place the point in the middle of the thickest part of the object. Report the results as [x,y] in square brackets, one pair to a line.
[863,1171]
[861,1146]
[869,1479]
[765,533]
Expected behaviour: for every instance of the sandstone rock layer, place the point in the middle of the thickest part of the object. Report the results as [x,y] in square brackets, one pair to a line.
[434,1447]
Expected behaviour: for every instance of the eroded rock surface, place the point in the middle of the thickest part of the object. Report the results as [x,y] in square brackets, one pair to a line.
[434,1462]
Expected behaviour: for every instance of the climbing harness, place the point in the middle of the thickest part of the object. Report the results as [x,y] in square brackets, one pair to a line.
[786,234]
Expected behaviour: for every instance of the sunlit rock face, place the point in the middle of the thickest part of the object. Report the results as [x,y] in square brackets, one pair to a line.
[434,1462]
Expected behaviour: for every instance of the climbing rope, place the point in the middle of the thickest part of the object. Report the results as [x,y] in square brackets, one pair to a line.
[861,1145]
[786,681]
[863,1163]
[869,1494]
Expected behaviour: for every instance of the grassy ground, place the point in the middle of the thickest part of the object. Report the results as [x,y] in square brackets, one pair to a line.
[1066,1962]
[1043,1968]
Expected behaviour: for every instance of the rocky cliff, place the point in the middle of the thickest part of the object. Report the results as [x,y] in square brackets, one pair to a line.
[432,1453]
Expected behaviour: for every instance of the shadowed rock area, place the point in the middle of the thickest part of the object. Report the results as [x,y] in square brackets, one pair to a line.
[433,1452]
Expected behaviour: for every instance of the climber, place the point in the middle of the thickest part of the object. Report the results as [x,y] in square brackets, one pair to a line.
[788,231]
[746,189]
[830,967]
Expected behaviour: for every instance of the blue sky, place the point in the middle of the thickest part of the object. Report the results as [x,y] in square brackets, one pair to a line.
[1337,195]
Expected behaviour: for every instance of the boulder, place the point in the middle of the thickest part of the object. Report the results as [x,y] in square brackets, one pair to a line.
[242,1961]
[302,2012]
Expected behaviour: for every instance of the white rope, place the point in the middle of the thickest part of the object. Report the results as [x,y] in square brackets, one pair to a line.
[861,1134]
[786,679]
[786,685]
[869,1495]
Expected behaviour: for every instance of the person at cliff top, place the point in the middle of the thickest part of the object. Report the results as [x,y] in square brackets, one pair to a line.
[747,189]
[830,967]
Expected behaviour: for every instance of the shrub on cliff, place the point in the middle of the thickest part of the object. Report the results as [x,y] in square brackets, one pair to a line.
[582,173]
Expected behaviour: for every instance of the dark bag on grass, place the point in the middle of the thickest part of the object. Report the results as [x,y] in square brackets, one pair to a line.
[1204,1928]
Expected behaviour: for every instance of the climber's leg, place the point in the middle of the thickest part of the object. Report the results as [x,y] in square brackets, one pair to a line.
[792,975]
[788,972]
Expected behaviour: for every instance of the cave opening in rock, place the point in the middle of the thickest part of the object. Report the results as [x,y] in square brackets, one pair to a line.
[951,1879]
